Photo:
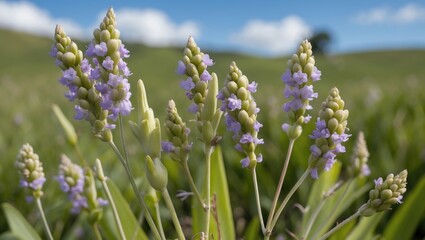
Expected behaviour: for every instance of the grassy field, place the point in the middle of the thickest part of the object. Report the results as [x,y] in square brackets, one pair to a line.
[383,91]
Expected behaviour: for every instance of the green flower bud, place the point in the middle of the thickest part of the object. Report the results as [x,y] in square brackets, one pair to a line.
[70,133]
[156,173]
[359,158]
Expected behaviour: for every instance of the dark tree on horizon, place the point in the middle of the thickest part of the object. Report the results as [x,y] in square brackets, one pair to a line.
[320,42]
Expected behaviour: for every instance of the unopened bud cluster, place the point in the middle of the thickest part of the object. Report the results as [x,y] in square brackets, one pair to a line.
[385,194]
[298,78]
[241,114]
[178,145]
[194,66]
[358,166]
[329,133]
[31,170]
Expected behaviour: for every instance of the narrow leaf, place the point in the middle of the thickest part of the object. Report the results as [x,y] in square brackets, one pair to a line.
[366,227]
[129,222]
[18,224]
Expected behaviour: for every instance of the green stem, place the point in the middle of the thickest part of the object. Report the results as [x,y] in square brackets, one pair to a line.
[280,184]
[285,201]
[208,151]
[136,191]
[173,213]
[43,217]
[337,227]
[114,209]
[123,139]
[80,155]
[193,186]
[158,220]
[96,231]
[257,198]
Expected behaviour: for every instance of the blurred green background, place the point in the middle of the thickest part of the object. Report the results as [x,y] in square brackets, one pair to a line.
[384,91]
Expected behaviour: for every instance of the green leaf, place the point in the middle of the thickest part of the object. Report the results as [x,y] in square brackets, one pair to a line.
[405,221]
[131,227]
[18,224]
[323,184]
[336,204]
[366,227]
[220,189]
[251,232]
[8,236]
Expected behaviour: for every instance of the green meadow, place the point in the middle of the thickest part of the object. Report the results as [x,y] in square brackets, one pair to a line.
[383,90]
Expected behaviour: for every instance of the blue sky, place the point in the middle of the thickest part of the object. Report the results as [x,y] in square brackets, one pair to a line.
[257,27]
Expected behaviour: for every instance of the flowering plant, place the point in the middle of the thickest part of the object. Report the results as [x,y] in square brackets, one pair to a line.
[98,83]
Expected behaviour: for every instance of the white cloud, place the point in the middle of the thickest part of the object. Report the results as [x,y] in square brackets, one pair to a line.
[26,17]
[407,14]
[279,37]
[153,27]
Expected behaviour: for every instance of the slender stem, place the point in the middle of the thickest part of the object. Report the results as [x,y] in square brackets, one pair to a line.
[123,139]
[337,227]
[80,155]
[136,191]
[280,184]
[208,151]
[173,213]
[193,186]
[285,201]
[96,231]
[43,217]
[114,209]
[158,221]
[257,198]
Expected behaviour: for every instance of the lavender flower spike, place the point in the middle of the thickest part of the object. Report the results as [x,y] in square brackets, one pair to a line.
[202,88]
[108,59]
[298,78]
[359,158]
[71,181]
[77,72]
[329,134]
[178,145]
[385,194]
[31,170]
[241,115]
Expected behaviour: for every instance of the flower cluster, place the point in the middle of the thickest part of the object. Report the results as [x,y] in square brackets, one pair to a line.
[100,87]
[329,134]
[241,114]
[194,66]
[178,145]
[298,78]
[72,180]
[76,76]
[31,170]
[385,194]
[358,166]
[110,71]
